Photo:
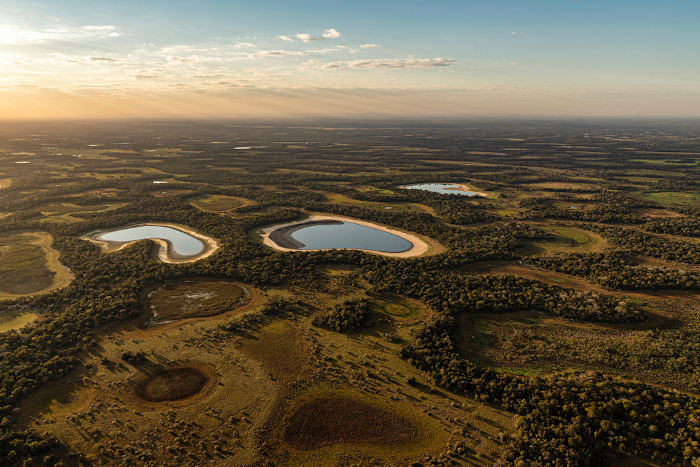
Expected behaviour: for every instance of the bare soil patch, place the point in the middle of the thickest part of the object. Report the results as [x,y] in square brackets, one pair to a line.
[171,384]
[334,420]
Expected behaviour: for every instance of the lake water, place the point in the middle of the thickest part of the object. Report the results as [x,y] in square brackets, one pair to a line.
[349,235]
[443,188]
[181,243]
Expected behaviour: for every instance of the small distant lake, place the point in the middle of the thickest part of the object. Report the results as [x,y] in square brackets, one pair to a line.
[181,243]
[443,188]
[346,235]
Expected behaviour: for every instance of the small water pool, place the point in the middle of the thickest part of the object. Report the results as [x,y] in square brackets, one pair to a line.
[443,188]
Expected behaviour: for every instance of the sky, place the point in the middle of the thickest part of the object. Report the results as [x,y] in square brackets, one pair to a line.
[447,58]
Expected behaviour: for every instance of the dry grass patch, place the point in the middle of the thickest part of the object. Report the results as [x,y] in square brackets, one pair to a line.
[565,239]
[12,321]
[195,298]
[219,203]
[28,265]
[171,384]
[333,420]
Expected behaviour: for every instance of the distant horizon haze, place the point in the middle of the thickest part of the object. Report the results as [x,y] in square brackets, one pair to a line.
[281,59]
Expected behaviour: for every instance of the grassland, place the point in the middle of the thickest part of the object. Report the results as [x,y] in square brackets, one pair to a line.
[194,298]
[565,239]
[670,198]
[9,321]
[256,382]
[346,201]
[533,343]
[28,265]
[219,203]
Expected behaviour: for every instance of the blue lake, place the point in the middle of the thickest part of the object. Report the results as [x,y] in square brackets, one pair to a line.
[349,235]
[443,188]
[181,243]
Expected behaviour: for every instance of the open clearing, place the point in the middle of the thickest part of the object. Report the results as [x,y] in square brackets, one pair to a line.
[335,420]
[171,384]
[256,381]
[219,203]
[194,298]
[9,321]
[346,201]
[565,239]
[530,342]
[28,265]
[670,198]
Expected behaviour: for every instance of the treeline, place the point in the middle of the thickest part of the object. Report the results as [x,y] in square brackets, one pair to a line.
[567,419]
[610,208]
[611,270]
[648,244]
[349,316]
[684,226]
[499,294]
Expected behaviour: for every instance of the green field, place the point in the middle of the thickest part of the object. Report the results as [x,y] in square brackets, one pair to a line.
[565,239]
[670,198]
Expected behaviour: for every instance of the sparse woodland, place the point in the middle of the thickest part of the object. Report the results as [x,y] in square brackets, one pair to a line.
[580,418]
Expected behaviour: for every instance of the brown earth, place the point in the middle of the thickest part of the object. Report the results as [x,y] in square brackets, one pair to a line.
[172,384]
[333,420]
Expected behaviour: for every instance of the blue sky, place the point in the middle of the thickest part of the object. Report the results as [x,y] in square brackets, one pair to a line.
[500,57]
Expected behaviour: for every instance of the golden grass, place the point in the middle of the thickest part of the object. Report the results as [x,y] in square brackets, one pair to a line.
[10,321]
[29,266]
[566,240]
[219,203]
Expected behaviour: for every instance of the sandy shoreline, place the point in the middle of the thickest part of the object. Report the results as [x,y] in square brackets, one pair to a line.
[466,188]
[458,187]
[164,254]
[420,246]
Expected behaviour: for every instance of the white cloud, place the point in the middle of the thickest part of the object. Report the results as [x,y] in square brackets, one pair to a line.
[274,53]
[103,59]
[331,33]
[16,35]
[391,63]
[302,36]
[243,45]
[369,46]
[285,38]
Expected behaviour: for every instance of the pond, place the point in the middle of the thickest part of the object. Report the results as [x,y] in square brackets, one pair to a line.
[442,188]
[336,234]
[181,243]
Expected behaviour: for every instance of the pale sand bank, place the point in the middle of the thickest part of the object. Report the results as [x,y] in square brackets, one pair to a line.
[421,245]
[210,245]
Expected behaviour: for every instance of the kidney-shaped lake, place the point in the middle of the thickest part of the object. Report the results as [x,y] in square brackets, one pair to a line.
[181,243]
[348,235]
[338,234]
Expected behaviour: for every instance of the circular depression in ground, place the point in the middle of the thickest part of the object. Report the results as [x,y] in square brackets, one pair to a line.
[334,420]
[192,298]
[171,384]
